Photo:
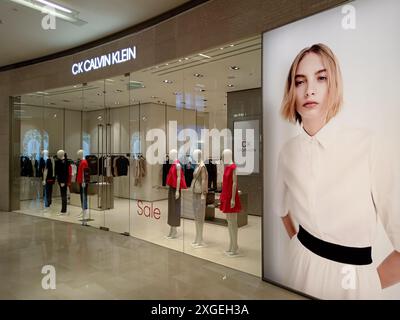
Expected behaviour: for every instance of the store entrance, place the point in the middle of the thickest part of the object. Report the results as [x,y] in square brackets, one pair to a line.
[122,137]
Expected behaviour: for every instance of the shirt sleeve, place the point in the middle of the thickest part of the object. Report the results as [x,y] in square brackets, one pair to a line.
[385,189]
[280,202]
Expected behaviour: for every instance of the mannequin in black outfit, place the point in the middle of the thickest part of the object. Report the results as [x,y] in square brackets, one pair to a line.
[62,178]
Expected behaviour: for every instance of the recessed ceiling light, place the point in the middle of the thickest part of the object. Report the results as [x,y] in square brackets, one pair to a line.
[221,48]
[204,56]
[230,85]
[235,68]
[232,45]
[186,58]
[198,75]
[167,81]
[180,60]
[100,118]
[167,64]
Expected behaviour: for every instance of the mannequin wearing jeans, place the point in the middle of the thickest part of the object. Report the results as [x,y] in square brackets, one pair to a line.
[82,173]
[62,178]
[199,188]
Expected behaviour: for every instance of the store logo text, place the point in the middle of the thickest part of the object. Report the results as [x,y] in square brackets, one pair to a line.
[103,61]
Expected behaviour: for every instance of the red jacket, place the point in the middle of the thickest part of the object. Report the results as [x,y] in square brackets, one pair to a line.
[80,176]
[172,177]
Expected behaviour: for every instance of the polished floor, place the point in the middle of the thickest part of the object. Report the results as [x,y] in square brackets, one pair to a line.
[95,264]
[124,217]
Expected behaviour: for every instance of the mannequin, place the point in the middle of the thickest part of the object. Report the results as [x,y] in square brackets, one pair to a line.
[46,190]
[62,174]
[200,188]
[230,201]
[48,178]
[176,182]
[82,179]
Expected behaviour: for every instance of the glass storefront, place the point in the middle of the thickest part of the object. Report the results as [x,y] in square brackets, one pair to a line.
[126,128]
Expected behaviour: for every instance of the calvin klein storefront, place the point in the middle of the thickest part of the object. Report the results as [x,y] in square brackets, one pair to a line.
[103,153]
[113,137]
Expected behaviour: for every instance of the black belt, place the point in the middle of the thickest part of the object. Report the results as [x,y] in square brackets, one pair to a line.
[335,252]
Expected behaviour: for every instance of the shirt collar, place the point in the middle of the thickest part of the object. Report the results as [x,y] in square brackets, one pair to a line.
[324,136]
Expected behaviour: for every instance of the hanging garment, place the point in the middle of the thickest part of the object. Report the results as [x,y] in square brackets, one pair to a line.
[139,170]
[172,177]
[122,164]
[220,174]
[74,170]
[93,164]
[189,169]
[212,175]
[34,167]
[143,168]
[114,166]
[102,168]
[165,169]
[108,167]
[26,167]
[226,194]
[69,180]
[42,165]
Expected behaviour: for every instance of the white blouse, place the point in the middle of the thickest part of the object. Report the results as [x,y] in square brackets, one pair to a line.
[335,183]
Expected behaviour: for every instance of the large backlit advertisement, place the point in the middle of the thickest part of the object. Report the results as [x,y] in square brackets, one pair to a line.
[331,99]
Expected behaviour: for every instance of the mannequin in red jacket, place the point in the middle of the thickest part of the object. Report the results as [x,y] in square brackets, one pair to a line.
[176,182]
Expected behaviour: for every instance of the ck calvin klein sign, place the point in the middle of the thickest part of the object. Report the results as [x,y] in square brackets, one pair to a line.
[105,60]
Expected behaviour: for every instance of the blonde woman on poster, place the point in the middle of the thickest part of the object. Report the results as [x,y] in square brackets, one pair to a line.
[332,183]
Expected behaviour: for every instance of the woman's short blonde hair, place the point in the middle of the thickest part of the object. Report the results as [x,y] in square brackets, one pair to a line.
[335,85]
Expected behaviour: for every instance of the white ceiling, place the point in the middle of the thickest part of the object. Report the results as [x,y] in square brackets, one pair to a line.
[216,74]
[23,38]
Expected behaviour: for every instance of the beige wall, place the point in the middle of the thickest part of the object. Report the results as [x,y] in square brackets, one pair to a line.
[209,25]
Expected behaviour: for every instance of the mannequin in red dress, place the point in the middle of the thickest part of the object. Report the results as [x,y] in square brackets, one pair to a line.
[83,166]
[230,201]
